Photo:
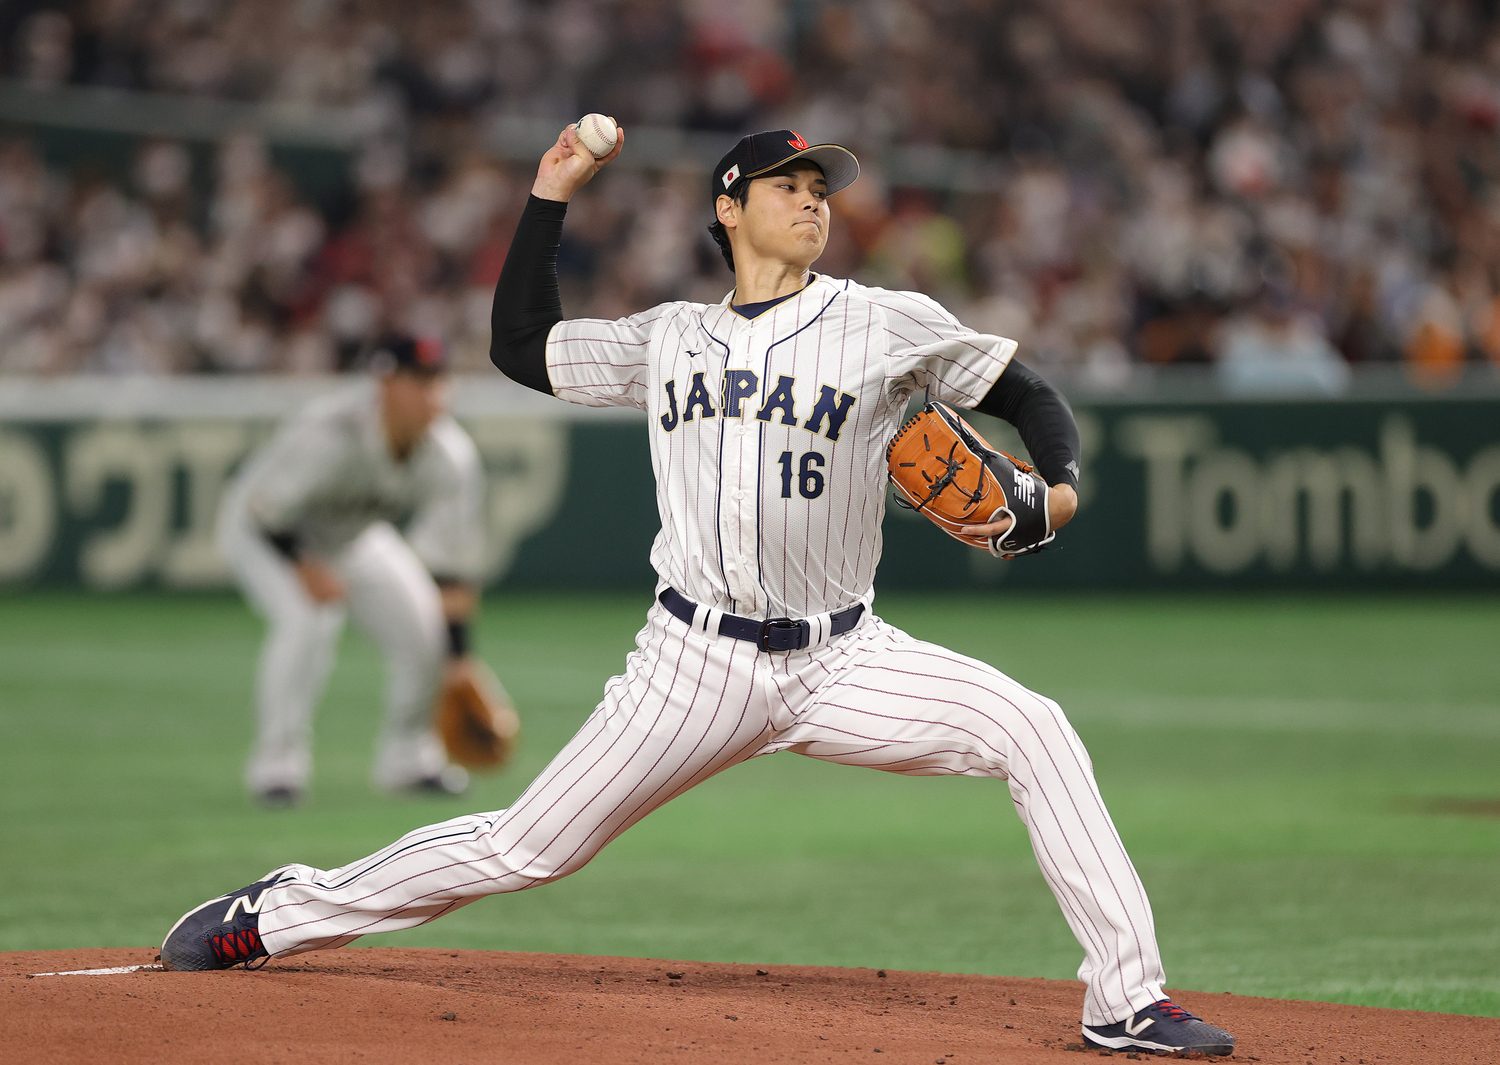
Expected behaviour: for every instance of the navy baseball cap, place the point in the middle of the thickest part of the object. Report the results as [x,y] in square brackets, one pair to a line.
[760,153]
[401,353]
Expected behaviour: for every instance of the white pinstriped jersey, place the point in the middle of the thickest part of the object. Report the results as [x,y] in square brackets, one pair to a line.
[328,474]
[768,434]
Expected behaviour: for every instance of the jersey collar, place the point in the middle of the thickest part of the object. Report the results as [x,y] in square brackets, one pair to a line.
[789,315]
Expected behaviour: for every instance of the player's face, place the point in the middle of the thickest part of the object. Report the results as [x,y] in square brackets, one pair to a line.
[412,403]
[785,216]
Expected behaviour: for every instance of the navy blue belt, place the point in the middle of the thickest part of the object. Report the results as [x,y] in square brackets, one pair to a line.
[773,634]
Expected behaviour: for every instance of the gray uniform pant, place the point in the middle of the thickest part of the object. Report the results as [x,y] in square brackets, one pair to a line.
[393,599]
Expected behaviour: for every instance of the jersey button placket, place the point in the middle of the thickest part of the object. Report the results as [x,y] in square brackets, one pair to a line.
[737,518]
[751,473]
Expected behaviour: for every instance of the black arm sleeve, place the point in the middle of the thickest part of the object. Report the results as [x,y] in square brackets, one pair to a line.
[1042,418]
[285,544]
[528,302]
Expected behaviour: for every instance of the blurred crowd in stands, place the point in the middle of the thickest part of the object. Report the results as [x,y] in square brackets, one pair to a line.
[1276,190]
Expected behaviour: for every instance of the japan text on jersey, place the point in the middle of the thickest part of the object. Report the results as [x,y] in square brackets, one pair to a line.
[768,434]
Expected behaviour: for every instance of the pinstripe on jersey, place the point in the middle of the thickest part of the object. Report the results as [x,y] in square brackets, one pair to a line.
[768,434]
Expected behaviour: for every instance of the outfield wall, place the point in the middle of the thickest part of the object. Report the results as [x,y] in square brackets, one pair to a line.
[112,485]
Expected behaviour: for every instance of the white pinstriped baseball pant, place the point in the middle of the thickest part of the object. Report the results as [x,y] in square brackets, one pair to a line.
[689,705]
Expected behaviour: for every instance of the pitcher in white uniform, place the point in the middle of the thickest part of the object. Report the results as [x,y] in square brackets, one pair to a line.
[313,529]
[768,415]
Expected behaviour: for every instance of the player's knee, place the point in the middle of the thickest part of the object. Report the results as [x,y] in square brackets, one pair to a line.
[1047,717]
[1054,729]
[1008,721]
[1054,712]
[421,650]
[531,868]
[306,625]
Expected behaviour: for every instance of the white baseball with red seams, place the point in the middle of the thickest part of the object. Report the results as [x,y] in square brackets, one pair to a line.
[598,133]
[767,442]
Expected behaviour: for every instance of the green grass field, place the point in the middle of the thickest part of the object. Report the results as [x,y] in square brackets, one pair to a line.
[1289,776]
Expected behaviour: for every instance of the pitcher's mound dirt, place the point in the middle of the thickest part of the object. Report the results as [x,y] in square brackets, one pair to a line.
[452,1007]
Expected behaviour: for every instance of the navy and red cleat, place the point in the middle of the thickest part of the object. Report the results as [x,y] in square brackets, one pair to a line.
[221,933]
[1161,1028]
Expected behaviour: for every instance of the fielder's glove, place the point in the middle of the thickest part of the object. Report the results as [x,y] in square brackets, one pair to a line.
[949,474]
[474,718]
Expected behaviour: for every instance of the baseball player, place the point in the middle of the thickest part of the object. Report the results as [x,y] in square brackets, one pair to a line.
[309,529]
[768,415]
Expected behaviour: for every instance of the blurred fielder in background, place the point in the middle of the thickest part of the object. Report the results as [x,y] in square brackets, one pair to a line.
[309,528]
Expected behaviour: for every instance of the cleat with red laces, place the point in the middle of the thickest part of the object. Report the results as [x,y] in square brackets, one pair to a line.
[222,932]
[1161,1028]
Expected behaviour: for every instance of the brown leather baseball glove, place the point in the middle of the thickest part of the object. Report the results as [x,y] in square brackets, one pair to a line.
[478,726]
[949,474]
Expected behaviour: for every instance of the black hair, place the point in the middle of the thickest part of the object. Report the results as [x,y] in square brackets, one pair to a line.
[739,192]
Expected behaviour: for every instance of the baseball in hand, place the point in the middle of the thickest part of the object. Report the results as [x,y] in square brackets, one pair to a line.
[598,133]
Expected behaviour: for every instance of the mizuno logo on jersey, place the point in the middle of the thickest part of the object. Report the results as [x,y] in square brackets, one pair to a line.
[1025,488]
[776,403]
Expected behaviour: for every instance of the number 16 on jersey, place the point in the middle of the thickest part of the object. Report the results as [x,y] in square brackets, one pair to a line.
[807,473]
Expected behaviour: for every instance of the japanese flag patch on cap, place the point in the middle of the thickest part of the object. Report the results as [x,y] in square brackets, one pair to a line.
[760,153]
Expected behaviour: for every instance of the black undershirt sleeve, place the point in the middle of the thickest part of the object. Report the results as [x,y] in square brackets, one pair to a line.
[459,640]
[285,544]
[528,302]
[1042,418]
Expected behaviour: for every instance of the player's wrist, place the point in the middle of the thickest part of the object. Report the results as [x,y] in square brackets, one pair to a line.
[458,639]
[551,190]
[286,544]
[1062,504]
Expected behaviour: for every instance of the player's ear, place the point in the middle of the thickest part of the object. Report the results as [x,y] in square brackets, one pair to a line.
[727,211]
